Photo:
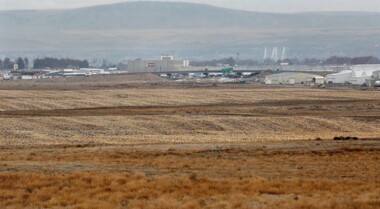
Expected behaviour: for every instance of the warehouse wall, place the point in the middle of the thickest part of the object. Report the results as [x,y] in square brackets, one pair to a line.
[140,66]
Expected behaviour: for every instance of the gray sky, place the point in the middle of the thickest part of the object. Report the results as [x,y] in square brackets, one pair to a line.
[253,5]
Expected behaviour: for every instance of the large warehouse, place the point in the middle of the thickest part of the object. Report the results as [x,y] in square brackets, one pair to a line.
[358,74]
[293,78]
[165,64]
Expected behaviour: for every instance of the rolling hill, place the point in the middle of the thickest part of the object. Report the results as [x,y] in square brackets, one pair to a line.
[147,29]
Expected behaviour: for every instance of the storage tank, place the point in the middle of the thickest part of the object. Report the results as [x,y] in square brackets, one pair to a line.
[377,84]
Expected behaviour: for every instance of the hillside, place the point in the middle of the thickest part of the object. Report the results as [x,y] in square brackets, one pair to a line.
[165,15]
[140,28]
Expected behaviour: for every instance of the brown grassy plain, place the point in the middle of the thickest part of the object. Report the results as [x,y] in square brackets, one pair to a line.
[138,109]
[141,142]
[302,174]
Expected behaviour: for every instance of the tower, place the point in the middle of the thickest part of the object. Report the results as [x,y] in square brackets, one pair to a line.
[283,55]
[265,53]
[274,54]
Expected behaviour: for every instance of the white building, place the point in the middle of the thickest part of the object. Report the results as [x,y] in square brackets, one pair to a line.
[291,78]
[26,77]
[358,74]
[341,77]
[165,64]
[85,72]
[374,81]
[92,71]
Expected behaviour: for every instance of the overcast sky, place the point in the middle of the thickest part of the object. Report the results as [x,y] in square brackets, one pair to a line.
[253,5]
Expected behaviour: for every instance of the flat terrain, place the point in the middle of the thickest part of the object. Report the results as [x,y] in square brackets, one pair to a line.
[143,109]
[296,174]
[137,141]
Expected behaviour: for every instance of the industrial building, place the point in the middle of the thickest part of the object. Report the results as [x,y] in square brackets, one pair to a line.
[357,75]
[374,81]
[165,64]
[81,72]
[292,78]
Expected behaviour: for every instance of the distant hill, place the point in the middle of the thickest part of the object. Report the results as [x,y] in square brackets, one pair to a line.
[165,15]
[138,26]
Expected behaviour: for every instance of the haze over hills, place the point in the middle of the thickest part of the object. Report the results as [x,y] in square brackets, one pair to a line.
[149,29]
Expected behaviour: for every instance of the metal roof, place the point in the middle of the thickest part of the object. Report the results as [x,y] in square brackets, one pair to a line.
[291,73]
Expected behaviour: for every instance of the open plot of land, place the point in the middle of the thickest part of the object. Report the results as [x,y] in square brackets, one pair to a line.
[301,174]
[182,114]
[106,142]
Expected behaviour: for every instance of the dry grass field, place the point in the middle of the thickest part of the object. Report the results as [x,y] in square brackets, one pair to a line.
[137,141]
[139,109]
[302,174]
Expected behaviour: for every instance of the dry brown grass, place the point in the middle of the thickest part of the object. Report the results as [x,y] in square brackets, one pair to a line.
[185,115]
[125,190]
[268,175]
[68,149]
[166,96]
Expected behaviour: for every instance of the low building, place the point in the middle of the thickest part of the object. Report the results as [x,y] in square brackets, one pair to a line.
[82,72]
[374,80]
[91,71]
[341,77]
[291,78]
[358,75]
[376,75]
[319,80]
[165,64]
[27,77]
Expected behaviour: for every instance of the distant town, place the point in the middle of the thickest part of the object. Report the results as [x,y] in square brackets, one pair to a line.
[363,71]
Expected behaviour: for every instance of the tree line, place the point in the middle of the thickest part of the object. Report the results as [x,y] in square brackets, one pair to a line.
[8,63]
[48,62]
[42,63]
[54,63]
[225,61]
[334,60]
[230,61]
